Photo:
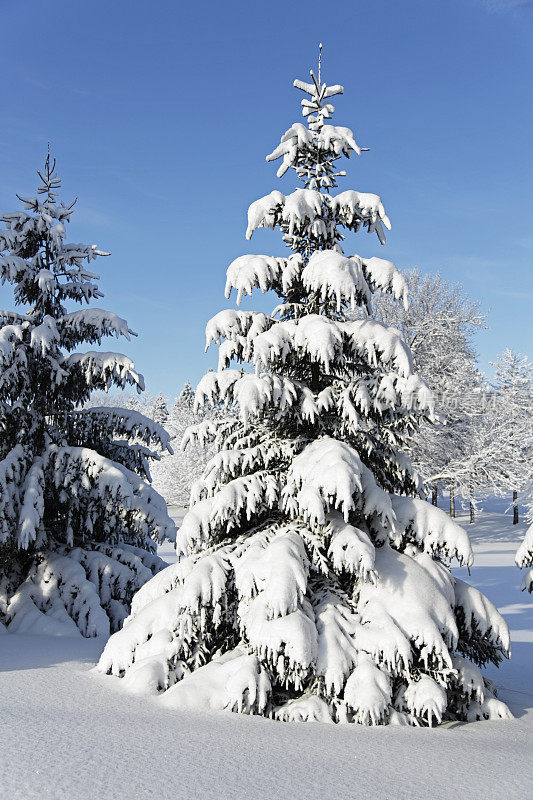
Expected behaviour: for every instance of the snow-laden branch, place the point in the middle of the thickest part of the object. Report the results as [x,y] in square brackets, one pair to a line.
[331,139]
[116,421]
[308,213]
[91,325]
[138,508]
[101,370]
[329,475]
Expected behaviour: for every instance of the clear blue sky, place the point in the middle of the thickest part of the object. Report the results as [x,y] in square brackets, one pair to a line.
[161,114]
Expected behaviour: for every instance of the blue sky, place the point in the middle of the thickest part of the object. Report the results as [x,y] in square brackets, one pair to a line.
[161,114]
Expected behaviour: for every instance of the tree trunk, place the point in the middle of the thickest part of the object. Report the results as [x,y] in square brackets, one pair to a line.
[434,494]
[472,514]
[315,376]
[452,500]
[515,507]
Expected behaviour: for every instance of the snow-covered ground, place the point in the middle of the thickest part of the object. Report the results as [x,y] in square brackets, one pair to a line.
[68,732]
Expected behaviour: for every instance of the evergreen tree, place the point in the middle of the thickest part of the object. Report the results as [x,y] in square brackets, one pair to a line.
[186,396]
[312,581]
[160,410]
[78,522]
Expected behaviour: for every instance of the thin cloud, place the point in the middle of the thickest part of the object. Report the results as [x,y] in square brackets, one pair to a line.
[526,242]
[501,6]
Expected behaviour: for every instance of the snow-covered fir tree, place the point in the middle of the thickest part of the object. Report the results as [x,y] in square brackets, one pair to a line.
[160,410]
[313,583]
[78,521]
[185,397]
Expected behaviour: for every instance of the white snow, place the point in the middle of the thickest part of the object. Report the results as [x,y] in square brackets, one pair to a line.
[328,474]
[126,746]
[331,274]
[303,211]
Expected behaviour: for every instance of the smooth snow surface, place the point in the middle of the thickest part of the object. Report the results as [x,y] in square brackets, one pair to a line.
[68,732]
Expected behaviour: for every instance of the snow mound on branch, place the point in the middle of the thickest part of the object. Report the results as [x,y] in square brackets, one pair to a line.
[412,597]
[235,681]
[285,643]
[354,207]
[303,210]
[80,591]
[278,568]
[10,335]
[330,274]
[159,614]
[57,599]
[235,325]
[248,272]
[328,475]
[301,207]
[195,527]
[136,504]
[102,370]
[426,699]
[480,613]
[308,708]
[431,528]
[337,651]
[32,507]
[262,212]
[367,693]
[94,323]
[384,275]
[122,422]
[338,139]
[332,138]
[45,336]
[469,678]
[296,136]
[374,339]
[351,549]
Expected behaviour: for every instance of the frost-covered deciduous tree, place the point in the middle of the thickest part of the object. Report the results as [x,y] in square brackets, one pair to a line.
[175,474]
[513,395]
[78,521]
[439,325]
[313,582]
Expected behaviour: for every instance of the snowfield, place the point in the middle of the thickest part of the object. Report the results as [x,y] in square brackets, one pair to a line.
[69,732]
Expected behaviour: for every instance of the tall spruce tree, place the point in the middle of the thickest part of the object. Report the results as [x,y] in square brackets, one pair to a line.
[312,581]
[78,522]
